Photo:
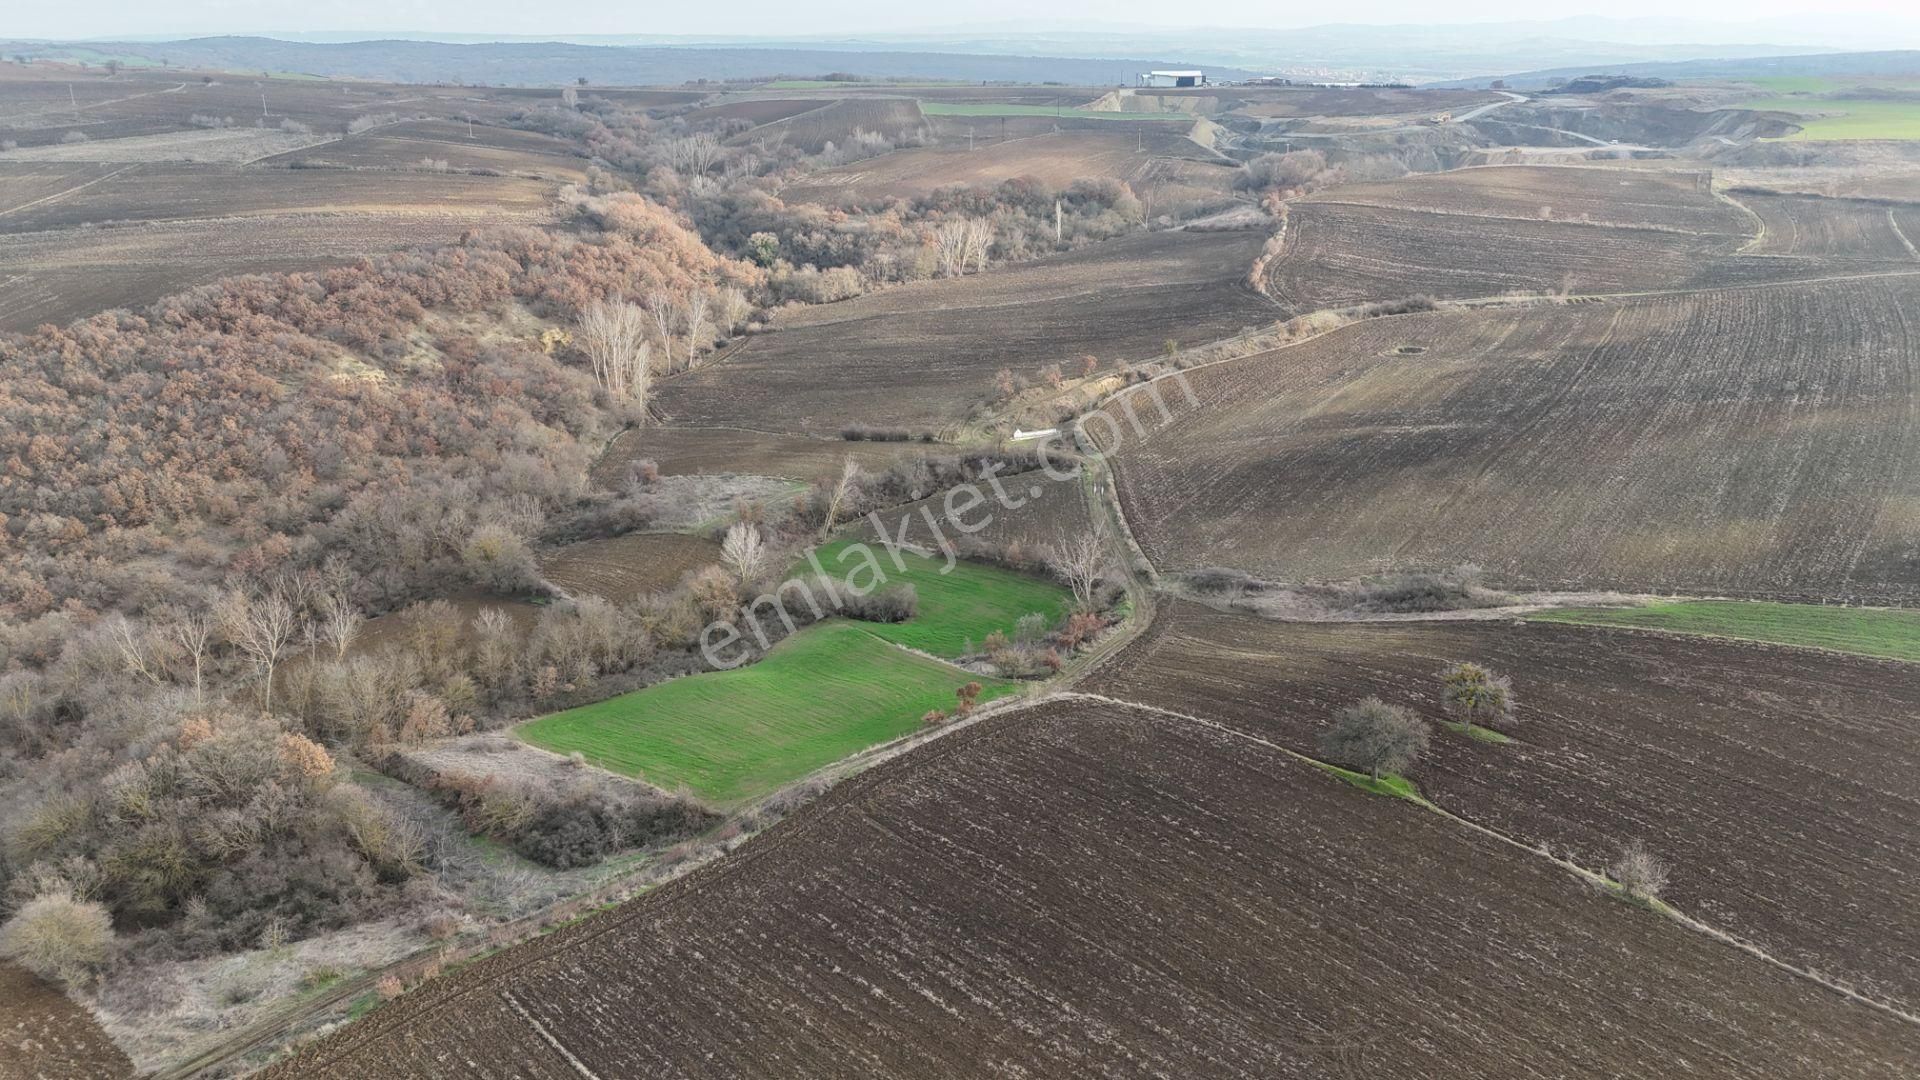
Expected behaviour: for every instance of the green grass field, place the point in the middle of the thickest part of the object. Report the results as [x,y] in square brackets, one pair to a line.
[1854,118]
[1867,631]
[820,695]
[948,108]
[961,606]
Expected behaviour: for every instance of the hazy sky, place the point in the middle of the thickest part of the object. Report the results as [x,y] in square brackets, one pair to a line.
[107,18]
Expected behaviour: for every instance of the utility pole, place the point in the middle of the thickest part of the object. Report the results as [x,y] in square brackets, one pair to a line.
[1056,222]
[263,104]
[73,101]
[969,138]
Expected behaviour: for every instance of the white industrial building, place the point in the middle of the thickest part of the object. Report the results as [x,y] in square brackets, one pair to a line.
[1173,78]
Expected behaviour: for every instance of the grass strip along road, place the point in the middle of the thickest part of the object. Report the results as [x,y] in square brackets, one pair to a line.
[1879,632]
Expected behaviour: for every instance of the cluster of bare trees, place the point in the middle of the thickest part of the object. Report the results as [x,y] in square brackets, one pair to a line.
[613,335]
[693,155]
[619,337]
[699,315]
[262,622]
[962,244]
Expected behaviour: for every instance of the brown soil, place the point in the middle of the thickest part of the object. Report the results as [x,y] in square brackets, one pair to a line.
[689,450]
[45,1036]
[1645,198]
[1712,442]
[623,568]
[1164,166]
[1773,782]
[1849,229]
[921,356]
[1092,890]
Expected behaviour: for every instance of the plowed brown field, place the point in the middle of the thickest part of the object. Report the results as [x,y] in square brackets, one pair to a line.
[1641,198]
[176,226]
[1773,782]
[1849,229]
[1093,890]
[623,568]
[45,1036]
[681,451]
[1339,255]
[920,356]
[1750,442]
[1168,168]
[403,146]
[838,122]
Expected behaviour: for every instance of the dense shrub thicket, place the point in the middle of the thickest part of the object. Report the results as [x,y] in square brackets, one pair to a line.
[246,424]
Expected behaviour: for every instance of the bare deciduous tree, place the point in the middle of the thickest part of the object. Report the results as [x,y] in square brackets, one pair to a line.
[1375,736]
[493,648]
[665,312]
[192,632]
[138,649]
[260,622]
[693,155]
[339,623]
[613,334]
[730,309]
[979,239]
[849,472]
[744,552]
[1080,564]
[694,315]
[950,248]
[1639,872]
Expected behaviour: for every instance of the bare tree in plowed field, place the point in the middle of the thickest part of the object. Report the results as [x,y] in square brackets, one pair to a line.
[1755,442]
[1089,889]
[1771,782]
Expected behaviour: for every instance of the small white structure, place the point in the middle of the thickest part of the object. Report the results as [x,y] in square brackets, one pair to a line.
[1173,78]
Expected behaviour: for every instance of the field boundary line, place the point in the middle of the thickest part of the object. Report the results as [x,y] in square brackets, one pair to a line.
[1592,877]
[1900,234]
[102,179]
[546,1036]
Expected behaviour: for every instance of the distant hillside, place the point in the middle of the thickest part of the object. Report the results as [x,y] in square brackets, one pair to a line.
[554,63]
[1863,64]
